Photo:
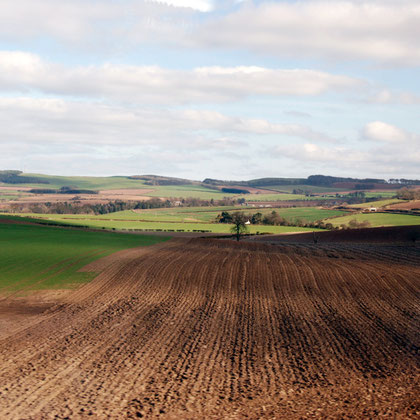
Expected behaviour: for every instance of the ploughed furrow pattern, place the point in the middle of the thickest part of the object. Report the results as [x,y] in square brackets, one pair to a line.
[211,329]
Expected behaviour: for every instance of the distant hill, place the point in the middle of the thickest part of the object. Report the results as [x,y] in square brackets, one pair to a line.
[163,180]
[319,181]
[16,177]
[316,183]
[257,182]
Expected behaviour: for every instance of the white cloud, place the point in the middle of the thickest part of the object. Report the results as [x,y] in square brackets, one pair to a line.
[116,106]
[387,96]
[372,30]
[380,131]
[311,152]
[384,162]
[201,5]
[111,139]
[95,25]
[32,120]
[216,120]
[21,71]
[117,139]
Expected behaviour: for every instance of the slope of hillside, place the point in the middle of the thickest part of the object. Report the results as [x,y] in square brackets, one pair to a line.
[213,329]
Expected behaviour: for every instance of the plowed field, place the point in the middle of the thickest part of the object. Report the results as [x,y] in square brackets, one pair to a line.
[207,329]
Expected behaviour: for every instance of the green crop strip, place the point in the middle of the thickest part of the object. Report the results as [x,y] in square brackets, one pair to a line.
[37,257]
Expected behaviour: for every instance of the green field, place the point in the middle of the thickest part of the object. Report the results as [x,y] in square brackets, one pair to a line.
[37,257]
[187,218]
[381,194]
[274,197]
[203,193]
[209,214]
[307,188]
[8,195]
[379,219]
[86,182]
[379,203]
[180,191]
[185,191]
[169,191]
[123,222]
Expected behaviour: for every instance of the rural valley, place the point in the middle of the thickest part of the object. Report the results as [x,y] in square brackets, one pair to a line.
[146,306]
[210,210]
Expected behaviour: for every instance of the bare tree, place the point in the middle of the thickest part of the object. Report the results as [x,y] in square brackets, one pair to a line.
[239,227]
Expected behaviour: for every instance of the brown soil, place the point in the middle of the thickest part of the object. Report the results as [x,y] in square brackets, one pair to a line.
[18,313]
[127,191]
[210,329]
[102,197]
[409,205]
[14,222]
[392,234]
[16,187]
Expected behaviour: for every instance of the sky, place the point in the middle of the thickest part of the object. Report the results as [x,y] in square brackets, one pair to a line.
[209,88]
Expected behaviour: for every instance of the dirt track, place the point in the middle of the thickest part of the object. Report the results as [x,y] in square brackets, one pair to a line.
[217,330]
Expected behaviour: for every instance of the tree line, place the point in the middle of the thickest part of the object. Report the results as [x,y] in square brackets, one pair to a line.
[15,177]
[271,219]
[406,194]
[62,190]
[76,206]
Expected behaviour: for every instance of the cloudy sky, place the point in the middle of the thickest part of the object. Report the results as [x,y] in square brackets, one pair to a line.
[211,88]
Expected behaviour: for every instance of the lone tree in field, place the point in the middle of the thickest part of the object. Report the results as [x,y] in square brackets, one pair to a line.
[239,227]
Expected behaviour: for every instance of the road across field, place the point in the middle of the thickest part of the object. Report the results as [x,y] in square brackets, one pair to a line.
[210,329]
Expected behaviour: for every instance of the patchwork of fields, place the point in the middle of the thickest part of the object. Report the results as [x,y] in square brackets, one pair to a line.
[200,214]
[169,226]
[193,190]
[86,182]
[203,219]
[190,219]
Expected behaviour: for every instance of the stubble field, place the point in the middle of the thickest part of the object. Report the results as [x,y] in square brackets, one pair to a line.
[210,329]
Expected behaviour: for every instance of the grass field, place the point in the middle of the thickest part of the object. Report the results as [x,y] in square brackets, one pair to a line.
[187,218]
[7,195]
[86,182]
[379,203]
[209,214]
[275,197]
[169,191]
[195,191]
[98,222]
[381,194]
[379,219]
[37,257]
[307,188]
[197,219]
[181,191]
[203,193]
[172,226]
